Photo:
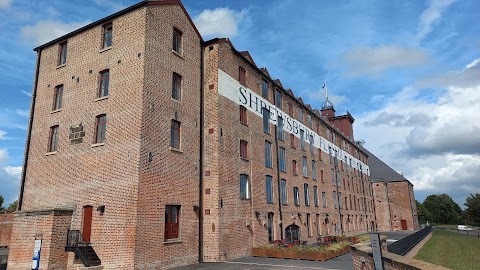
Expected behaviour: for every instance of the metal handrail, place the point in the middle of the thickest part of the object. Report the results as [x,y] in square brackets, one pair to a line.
[74,238]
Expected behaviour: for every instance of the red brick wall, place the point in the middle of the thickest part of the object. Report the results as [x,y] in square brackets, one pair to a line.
[382,209]
[402,205]
[6,225]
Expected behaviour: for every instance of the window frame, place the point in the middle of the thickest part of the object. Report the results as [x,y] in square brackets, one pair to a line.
[302,139]
[294,167]
[62,53]
[243,115]
[283,190]
[296,196]
[242,76]
[278,98]
[280,132]
[269,188]
[306,194]
[244,149]
[58,97]
[103,83]
[177,41]
[324,199]
[172,228]
[101,121]
[268,154]
[264,89]
[314,171]
[177,83]
[282,159]
[107,35]
[315,196]
[244,187]
[53,139]
[266,120]
[174,130]
[304,167]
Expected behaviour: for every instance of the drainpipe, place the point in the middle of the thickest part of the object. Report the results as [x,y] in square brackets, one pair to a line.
[278,165]
[335,166]
[29,133]
[364,197]
[200,184]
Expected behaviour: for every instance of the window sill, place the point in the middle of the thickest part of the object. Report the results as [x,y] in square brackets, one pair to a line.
[172,241]
[296,174]
[178,54]
[245,124]
[101,98]
[245,159]
[61,66]
[176,100]
[97,144]
[105,49]
[55,111]
[51,153]
[176,150]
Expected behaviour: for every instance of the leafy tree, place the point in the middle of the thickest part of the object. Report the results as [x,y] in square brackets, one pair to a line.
[473,209]
[13,206]
[442,209]
[422,213]
[1,202]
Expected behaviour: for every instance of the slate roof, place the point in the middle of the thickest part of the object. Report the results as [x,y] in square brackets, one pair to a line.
[380,171]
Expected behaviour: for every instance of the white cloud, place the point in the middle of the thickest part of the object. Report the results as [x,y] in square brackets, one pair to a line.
[29,94]
[48,30]
[431,16]
[435,144]
[24,113]
[468,77]
[112,5]
[220,22]
[319,95]
[2,134]
[371,61]
[5,3]
[9,178]
[10,119]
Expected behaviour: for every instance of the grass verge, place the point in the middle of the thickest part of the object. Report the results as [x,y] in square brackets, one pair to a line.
[451,250]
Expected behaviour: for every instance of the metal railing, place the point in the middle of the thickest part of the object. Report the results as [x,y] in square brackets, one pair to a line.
[472,232]
[74,238]
[404,245]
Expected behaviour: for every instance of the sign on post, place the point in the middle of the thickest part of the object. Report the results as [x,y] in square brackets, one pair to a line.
[377,251]
[36,254]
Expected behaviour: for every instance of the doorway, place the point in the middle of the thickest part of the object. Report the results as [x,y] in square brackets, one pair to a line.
[404,224]
[87,223]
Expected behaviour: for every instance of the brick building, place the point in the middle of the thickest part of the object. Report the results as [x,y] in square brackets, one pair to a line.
[395,205]
[159,149]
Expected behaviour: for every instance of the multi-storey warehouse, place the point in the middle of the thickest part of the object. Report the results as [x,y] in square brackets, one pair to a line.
[158,149]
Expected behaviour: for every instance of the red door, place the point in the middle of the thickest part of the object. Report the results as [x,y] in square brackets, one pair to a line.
[87,223]
[404,224]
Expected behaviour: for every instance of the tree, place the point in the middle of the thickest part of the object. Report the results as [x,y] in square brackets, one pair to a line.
[13,206]
[1,202]
[442,209]
[422,213]
[473,209]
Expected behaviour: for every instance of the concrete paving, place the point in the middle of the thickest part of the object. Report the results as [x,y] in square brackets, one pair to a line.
[343,262]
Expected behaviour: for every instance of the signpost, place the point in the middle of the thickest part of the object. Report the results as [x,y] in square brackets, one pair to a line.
[377,251]
[36,254]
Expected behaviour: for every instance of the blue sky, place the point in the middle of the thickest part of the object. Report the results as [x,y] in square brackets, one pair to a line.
[408,71]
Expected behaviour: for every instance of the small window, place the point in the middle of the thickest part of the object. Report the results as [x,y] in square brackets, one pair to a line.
[283,187]
[266,120]
[304,167]
[305,193]
[314,170]
[302,139]
[294,166]
[319,154]
[268,154]
[278,99]
[292,141]
[107,35]
[340,204]
[57,97]
[243,115]
[104,78]
[300,114]
[53,139]
[346,203]
[330,154]
[309,120]
[172,221]
[177,41]
[296,196]
[290,109]
[315,196]
[321,176]
[333,176]
[62,54]
[309,231]
[283,162]
[312,147]
[244,187]
[270,227]
[242,77]
[324,199]
[101,128]
[243,149]
[335,199]
[176,86]
[264,89]
[280,133]
[269,188]
[175,134]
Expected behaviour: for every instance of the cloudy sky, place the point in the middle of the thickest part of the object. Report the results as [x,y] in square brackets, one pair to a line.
[408,71]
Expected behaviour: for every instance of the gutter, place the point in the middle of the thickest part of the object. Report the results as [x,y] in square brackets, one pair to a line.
[200,184]
[29,134]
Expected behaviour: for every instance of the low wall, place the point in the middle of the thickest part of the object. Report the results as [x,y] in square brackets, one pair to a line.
[6,225]
[363,259]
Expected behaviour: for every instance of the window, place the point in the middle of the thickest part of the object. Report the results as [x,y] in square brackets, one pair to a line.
[304,167]
[292,141]
[242,75]
[346,203]
[243,115]
[321,176]
[300,114]
[270,227]
[175,134]
[53,140]
[107,35]
[176,86]
[269,188]
[278,99]
[333,176]
[280,132]
[302,139]
[283,187]
[335,199]
[296,199]
[319,154]
[266,120]
[324,199]
[177,41]
[314,170]
[340,204]
[309,231]
[172,221]
[290,109]
[309,120]
[243,149]
[330,154]
[268,154]
[264,88]
[244,187]
[305,193]
[104,82]
[312,148]
[57,97]
[101,128]
[294,166]
[315,196]
[339,183]
[350,199]
[283,162]
[62,54]
[317,223]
